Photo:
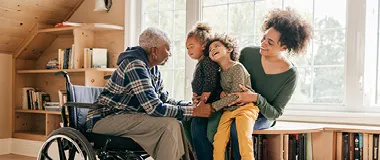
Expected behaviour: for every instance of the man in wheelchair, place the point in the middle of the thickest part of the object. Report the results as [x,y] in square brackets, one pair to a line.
[137,106]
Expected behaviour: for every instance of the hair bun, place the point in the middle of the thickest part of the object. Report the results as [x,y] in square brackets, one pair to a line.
[202,26]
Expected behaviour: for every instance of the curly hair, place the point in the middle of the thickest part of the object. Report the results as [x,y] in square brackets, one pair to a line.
[228,41]
[295,31]
[202,31]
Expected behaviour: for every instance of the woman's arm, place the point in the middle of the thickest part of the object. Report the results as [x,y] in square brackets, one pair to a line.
[270,111]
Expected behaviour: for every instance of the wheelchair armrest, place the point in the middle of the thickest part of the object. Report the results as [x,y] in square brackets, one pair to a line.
[82,105]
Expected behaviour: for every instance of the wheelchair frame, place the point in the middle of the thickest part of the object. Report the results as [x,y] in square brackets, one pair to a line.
[71,139]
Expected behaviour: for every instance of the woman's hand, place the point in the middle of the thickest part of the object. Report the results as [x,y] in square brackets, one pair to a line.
[247,96]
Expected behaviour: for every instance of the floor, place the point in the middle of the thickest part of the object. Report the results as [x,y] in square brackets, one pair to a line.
[15,157]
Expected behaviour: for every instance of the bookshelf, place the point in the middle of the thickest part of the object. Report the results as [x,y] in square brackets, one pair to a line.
[29,62]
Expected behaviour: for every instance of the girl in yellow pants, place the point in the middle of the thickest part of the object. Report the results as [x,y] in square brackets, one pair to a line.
[223,50]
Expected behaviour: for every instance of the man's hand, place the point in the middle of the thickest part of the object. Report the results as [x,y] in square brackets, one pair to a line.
[202,110]
[247,96]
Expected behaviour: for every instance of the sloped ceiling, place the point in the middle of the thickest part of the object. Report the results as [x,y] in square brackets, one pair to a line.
[17,17]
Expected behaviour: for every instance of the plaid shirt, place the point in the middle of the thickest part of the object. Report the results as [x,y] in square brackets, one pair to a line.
[132,88]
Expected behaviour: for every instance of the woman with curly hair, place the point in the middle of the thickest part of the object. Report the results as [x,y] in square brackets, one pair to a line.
[273,76]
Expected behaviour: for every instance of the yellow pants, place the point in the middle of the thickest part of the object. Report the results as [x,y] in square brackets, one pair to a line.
[245,117]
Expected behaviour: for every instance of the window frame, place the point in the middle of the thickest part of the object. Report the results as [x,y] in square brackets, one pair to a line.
[358,105]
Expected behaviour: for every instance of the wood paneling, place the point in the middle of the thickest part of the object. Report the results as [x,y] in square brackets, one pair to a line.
[19,16]
[5,95]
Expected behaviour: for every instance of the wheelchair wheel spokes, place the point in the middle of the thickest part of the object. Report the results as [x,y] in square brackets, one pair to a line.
[66,144]
[66,148]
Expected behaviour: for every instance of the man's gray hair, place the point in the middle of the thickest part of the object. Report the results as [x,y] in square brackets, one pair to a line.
[153,37]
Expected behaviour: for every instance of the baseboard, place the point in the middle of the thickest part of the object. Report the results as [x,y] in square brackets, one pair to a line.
[5,146]
[25,147]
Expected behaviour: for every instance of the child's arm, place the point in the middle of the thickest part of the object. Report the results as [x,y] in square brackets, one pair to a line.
[211,78]
[238,76]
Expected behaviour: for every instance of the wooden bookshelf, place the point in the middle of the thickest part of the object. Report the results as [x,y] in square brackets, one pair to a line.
[29,70]
[67,70]
[37,111]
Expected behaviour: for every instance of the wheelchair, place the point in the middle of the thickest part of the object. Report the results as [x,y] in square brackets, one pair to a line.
[73,142]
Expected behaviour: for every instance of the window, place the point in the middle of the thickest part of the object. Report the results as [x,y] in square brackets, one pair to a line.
[170,15]
[336,73]
[326,54]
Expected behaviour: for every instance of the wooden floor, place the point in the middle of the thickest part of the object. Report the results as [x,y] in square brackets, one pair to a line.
[16,157]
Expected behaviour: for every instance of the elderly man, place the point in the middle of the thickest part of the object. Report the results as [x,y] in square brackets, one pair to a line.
[136,104]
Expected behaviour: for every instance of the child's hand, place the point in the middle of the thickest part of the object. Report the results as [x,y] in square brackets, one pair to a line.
[195,98]
[205,96]
[223,94]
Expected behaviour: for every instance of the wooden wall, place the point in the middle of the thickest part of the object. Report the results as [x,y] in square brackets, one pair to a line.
[114,40]
[86,14]
[5,95]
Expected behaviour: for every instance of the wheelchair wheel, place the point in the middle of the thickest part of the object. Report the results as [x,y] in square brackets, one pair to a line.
[68,143]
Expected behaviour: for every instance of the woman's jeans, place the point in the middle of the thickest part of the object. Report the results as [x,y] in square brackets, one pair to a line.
[203,147]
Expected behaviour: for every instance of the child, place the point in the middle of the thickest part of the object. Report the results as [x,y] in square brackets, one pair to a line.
[205,84]
[224,50]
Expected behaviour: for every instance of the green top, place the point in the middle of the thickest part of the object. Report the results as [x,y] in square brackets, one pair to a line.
[230,80]
[274,90]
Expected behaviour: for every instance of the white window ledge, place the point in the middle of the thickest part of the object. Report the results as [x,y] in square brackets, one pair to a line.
[372,119]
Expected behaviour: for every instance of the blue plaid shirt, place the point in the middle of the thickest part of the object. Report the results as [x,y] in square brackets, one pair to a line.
[134,87]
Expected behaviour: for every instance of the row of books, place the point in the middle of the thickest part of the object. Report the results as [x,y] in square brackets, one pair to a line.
[66,58]
[299,146]
[352,146]
[34,99]
[95,58]
[260,145]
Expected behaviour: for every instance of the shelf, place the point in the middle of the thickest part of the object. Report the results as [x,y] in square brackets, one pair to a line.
[40,39]
[67,70]
[87,26]
[37,111]
[35,136]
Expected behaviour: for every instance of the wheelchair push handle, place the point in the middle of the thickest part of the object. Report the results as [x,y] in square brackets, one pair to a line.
[63,73]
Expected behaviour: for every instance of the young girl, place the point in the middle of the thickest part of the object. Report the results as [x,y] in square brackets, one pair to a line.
[223,49]
[206,84]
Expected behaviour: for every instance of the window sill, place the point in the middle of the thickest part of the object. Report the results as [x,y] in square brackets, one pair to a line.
[331,117]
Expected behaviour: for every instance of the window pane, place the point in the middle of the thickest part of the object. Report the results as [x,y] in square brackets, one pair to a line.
[302,91]
[241,22]
[166,5]
[151,20]
[304,59]
[180,4]
[329,47]
[327,10]
[245,41]
[166,22]
[167,76]
[261,9]
[328,85]
[213,2]
[304,7]
[216,17]
[150,5]
[179,84]
[179,53]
